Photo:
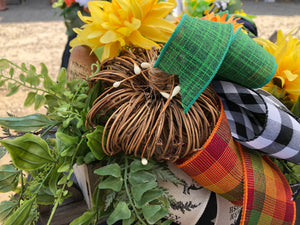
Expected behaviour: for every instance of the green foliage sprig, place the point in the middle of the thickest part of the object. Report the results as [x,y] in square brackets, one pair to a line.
[47,146]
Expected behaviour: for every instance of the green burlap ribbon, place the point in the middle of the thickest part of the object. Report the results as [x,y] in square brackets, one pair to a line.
[200,50]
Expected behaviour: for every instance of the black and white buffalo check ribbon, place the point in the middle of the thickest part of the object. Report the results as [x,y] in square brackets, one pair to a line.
[259,121]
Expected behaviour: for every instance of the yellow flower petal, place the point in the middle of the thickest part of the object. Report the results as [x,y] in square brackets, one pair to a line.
[287,55]
[94,34]
[125,5]
[125,22]
[137,39]
[85,19]
[159,24]
[134,25]
[162,9]
[136,9]
[124,31]
[290,76]
[155,34]
[109,36]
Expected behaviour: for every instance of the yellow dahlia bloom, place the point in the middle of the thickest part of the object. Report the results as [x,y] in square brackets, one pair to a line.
[287,54]
[223,19]
[120,23]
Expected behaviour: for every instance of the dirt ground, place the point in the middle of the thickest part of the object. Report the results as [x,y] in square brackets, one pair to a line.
[32,33]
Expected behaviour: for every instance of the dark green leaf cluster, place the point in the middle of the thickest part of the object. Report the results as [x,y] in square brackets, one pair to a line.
[47,146]
[131,191]
[291,172]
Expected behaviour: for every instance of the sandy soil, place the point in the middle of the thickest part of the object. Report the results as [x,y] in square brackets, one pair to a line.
[29,33]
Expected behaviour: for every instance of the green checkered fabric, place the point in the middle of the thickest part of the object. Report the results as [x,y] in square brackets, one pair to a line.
[195,51]
[247,63]
[200,50]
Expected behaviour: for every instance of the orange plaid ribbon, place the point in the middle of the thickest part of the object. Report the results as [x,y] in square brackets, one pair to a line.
[243,177]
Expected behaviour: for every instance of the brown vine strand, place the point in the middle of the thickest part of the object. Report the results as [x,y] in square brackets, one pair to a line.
[139,120]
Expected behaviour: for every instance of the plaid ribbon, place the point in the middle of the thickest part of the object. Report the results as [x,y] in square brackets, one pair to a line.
[243,177]
[259,121]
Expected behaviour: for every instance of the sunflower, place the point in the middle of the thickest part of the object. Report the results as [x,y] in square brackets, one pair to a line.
[114,25]
[223,19]
[286,51]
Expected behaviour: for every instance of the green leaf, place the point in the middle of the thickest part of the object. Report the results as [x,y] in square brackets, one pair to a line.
[52,103]
[4,64]
[94,93]
[44,70]
[31,217]
[63,180]
[22,77]
[64,167]
[11,72]
[141,177]
[99,52]
[163,173]
[23,66]
[150,211]
[112,183]
[45,197]
[3,151]
[48,83]
[112,169]
[139,189]
[62,76]
[85,219]
[14,89]
[27,123]
[296,108]
[167,222]
[137,165]
[65,141]
[121,212]
[2,82]
[79,123]
[149,196]
[31,77]
[158,216]
[9,178]
[30,99]
[67,122]
[28,152]
[54,176]
[130,220]
[6,208]
[39,101]
[21,214]
[81,97]
[79,105]
[95,142]
[89,158]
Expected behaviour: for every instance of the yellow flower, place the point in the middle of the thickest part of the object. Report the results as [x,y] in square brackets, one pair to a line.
[120,23]
[287,54]
[223,19]
[242,13]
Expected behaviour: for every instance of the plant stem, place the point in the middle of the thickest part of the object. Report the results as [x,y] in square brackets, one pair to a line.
[56,205]
[15,65]
[27,86]
[22,188]
[64,185]
[128,193]
[49,128]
